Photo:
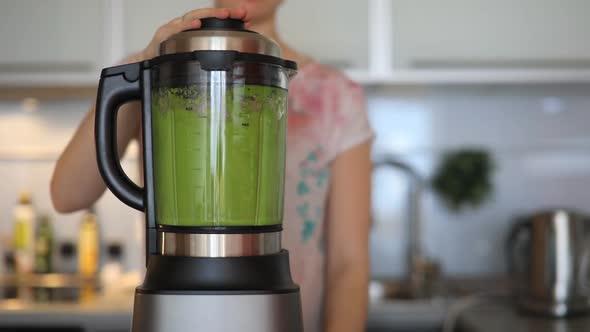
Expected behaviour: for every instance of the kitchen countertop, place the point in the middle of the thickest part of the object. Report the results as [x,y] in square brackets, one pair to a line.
[101,314]
[501,315]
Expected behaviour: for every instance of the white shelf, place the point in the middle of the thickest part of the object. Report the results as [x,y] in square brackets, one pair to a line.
[49,80]
[471,76]
[397,77]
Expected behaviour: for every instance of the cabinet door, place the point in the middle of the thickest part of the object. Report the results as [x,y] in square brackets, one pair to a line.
[143,17]
[484,33]
[334,32]
[58,36]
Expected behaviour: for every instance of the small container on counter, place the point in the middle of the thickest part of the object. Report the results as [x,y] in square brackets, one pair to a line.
[66,261]
[23,232]
[88,246]
[44,245]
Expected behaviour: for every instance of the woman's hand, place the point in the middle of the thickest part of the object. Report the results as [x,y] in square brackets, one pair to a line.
[190,20]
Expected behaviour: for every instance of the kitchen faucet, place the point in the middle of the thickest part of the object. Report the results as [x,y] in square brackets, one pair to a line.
[421,271]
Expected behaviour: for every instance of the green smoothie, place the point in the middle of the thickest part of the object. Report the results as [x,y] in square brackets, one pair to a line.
[219,155]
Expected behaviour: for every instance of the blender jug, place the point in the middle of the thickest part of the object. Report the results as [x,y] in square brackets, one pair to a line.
[214,121]
[219,144]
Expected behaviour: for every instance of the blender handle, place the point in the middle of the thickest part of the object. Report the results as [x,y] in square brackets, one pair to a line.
[117,86]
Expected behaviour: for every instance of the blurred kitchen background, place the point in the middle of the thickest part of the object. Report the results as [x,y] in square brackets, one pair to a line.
[507,79]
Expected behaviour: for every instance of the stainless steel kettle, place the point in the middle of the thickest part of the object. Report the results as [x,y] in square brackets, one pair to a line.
[549,258]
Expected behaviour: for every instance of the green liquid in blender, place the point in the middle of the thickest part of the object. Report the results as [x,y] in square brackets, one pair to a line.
[219,155]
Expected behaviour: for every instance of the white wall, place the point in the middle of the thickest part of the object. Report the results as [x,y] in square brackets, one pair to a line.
[539,138]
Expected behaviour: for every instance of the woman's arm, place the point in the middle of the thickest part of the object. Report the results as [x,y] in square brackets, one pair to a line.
[347,279]
[76,181]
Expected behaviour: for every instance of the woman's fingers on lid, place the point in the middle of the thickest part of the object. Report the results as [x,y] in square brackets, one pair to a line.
[176,21]
[192,20]
[174,26]
[207,12]
[239,13]
[248,17]
[163,32]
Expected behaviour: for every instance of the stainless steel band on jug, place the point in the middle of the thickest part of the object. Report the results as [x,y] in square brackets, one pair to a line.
[214,129]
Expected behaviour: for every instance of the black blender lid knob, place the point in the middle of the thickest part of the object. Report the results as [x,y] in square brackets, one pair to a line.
[212,23]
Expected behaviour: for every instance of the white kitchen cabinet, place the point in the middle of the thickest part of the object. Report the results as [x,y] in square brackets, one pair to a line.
[494,35]
[335,32]
[48,41]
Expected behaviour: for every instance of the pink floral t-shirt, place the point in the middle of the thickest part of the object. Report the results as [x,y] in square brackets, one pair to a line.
[327,116]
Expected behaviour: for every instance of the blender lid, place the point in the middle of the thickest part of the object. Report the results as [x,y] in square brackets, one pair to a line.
[220,35]
[218,44]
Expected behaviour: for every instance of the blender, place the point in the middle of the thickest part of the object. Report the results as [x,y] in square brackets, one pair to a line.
[214,122]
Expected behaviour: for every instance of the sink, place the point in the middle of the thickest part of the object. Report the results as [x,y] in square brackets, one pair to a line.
[395,308]
[407,315]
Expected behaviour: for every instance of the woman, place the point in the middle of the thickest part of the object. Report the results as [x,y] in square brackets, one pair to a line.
[327,193]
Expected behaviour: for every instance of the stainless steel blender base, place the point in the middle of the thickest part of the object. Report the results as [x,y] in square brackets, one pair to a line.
[217,313]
